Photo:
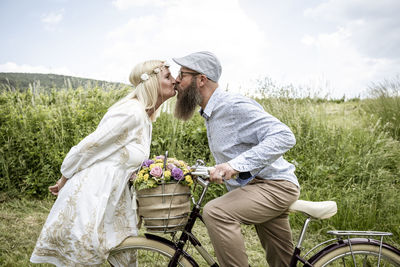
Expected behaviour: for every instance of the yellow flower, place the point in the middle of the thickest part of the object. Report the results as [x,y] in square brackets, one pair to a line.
[167,174]
[152,166]
[138,179]
[189,180]
[146,177]
[151,183]
[159,161]
[160,164]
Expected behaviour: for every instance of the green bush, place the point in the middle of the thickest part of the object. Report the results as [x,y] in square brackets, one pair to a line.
[339,155]
[38,129]
[357,166]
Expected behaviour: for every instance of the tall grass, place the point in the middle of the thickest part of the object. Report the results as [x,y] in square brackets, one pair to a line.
[341,153]
[38,128]
[357,166]
[384,105]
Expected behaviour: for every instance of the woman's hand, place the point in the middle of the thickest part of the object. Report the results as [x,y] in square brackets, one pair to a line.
[54,189]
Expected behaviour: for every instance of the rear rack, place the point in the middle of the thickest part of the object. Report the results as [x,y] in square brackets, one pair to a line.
[359,233]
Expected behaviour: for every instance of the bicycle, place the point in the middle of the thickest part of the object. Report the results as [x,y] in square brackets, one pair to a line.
[347,248]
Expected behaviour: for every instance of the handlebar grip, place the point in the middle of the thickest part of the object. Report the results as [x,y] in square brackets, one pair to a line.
[202,171]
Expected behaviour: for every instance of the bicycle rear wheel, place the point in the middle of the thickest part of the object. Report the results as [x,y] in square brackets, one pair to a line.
[144,252]
[364,254]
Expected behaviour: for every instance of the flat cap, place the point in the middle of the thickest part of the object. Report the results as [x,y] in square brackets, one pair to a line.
[203,62]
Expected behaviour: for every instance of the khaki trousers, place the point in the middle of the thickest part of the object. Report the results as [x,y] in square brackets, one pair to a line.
[263,203]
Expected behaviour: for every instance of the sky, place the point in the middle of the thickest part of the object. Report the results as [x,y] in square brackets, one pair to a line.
[330,48]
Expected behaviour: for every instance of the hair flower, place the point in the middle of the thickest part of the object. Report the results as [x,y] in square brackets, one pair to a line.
[144,77]
[156,70]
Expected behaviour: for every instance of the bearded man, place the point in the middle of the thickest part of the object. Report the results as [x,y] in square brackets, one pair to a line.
[248,146]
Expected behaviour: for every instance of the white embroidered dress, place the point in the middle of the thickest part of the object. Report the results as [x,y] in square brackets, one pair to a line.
[93,211]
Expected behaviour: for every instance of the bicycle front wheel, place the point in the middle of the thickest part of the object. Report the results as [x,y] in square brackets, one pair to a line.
[144,252]
[364,254]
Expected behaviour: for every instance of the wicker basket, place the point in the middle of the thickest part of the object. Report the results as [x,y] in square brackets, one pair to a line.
[164,208]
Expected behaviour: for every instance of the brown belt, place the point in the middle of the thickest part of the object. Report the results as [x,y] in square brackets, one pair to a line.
[257,180]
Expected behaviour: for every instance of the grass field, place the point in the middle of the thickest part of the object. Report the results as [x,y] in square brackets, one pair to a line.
[346,151]
[22,220]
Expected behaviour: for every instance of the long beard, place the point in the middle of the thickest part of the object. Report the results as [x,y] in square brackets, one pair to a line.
[187,102]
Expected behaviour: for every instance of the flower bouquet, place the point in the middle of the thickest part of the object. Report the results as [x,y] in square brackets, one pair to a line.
[153,173]
[162,192]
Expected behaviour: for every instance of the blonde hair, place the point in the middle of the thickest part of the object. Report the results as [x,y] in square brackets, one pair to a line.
[146,91]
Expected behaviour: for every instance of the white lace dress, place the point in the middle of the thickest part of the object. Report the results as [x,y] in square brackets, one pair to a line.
[93,211]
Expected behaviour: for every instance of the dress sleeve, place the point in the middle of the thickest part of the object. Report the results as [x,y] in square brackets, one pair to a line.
[270,138]
[116,129]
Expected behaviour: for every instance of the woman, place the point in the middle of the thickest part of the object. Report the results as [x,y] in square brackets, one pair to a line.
[93,211]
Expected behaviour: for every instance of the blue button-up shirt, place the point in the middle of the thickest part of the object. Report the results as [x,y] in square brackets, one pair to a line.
[241,133]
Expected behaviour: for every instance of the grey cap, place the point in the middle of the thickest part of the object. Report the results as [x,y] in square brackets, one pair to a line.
[203,62]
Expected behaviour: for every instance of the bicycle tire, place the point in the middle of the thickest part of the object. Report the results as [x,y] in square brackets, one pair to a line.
[365,254]
[148,253]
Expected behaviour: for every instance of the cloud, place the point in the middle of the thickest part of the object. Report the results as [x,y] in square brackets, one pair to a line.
[336,60]
[51,20]
[25,68]
[126,4]
[348,69]
[188,26]
[373,25]
[362,47]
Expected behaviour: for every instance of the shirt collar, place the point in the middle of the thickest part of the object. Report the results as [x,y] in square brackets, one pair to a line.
[212,102]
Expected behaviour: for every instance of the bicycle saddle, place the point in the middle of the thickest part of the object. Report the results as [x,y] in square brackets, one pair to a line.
[317,210]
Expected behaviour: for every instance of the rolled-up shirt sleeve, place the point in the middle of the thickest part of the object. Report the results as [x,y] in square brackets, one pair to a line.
[268,138]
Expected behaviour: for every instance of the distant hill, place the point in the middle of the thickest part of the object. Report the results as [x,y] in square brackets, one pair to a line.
[22,81]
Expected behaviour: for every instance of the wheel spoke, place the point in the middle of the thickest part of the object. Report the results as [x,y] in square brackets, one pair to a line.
[366,255]
[144,257]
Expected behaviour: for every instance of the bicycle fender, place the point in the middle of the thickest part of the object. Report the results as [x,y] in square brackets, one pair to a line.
[172,245]
[353,241]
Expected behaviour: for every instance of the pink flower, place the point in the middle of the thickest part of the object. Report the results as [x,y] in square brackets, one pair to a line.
[156,171]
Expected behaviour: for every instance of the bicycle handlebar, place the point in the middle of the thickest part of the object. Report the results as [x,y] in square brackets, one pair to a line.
[202,172]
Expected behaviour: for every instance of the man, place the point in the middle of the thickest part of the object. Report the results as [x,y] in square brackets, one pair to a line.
[247,144]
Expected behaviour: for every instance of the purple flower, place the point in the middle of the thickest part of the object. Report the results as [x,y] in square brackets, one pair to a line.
[177,173]
[160,157]
[170,166]
[147,163]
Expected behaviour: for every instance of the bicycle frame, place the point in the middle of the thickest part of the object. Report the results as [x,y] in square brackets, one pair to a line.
[187,234]
[327,246]
[297,250]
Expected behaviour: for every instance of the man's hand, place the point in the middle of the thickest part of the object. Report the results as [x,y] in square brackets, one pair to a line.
[222,172]
[54,189]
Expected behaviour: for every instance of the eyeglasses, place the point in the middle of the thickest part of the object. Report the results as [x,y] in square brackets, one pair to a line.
[180,74]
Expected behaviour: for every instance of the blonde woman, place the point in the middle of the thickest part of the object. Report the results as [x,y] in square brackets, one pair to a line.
[93,212]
